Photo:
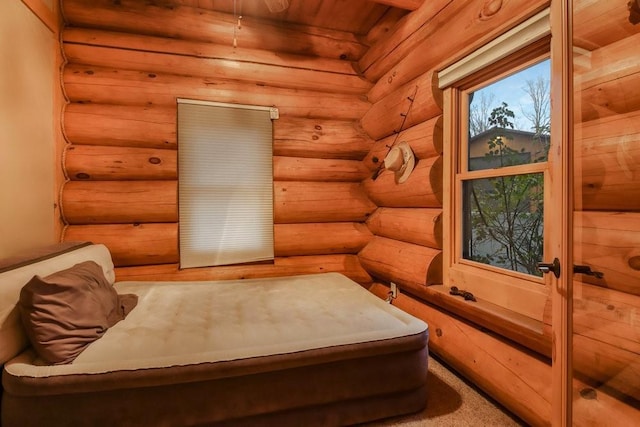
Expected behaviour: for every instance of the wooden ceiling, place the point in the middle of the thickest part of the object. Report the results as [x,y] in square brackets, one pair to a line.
[353,16]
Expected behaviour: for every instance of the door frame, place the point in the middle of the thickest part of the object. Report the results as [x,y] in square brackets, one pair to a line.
[560,155]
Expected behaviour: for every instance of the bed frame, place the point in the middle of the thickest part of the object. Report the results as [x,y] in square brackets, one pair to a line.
[301,350]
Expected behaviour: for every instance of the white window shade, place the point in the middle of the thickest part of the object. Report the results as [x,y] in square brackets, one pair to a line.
[225,190]
[534,28]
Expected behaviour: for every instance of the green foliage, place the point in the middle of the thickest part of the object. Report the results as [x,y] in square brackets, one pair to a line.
[500,116]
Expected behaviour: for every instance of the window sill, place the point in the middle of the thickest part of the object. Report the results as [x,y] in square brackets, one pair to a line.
[517,327]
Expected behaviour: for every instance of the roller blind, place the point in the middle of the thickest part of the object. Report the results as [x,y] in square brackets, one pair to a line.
[534,28]
[225,184]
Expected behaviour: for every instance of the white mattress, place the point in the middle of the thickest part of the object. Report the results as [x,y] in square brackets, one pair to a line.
[181,323]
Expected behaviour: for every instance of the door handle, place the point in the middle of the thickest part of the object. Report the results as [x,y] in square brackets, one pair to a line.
[553,267]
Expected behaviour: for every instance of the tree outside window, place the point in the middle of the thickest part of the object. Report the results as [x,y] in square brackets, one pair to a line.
[503,215]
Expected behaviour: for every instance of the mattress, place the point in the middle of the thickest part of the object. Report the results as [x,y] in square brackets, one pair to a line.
[314,350]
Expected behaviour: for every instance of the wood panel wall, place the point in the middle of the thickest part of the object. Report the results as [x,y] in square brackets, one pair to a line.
[128,61]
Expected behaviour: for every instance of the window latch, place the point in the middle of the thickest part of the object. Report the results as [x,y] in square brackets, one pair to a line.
[553,267]
[585,269]
[468,296]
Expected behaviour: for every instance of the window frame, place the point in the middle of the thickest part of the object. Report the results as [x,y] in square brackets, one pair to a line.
[518,292]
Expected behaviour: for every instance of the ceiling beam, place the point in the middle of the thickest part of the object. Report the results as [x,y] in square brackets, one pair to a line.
[401,4]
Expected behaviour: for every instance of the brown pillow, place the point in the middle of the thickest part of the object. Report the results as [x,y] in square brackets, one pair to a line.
[68,310]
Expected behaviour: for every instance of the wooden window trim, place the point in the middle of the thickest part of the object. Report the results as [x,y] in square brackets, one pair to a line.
[524,294]
[524,330]
[528,331]
[515,295]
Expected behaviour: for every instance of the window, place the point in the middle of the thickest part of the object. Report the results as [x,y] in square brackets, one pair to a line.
[497,115]
[502,176]
[225,187]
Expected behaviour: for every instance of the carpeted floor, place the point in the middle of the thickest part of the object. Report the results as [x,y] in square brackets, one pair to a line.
[453,402]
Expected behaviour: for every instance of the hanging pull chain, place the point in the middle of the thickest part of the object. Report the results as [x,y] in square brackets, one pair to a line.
[238,25]
[235,29]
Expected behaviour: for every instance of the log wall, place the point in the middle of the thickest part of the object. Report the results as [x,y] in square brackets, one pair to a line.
[407,106]
[407,247]
[127,62]
[607,338]
[513,375]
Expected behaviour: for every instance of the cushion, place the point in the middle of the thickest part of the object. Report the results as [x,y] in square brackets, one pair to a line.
[66,311]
